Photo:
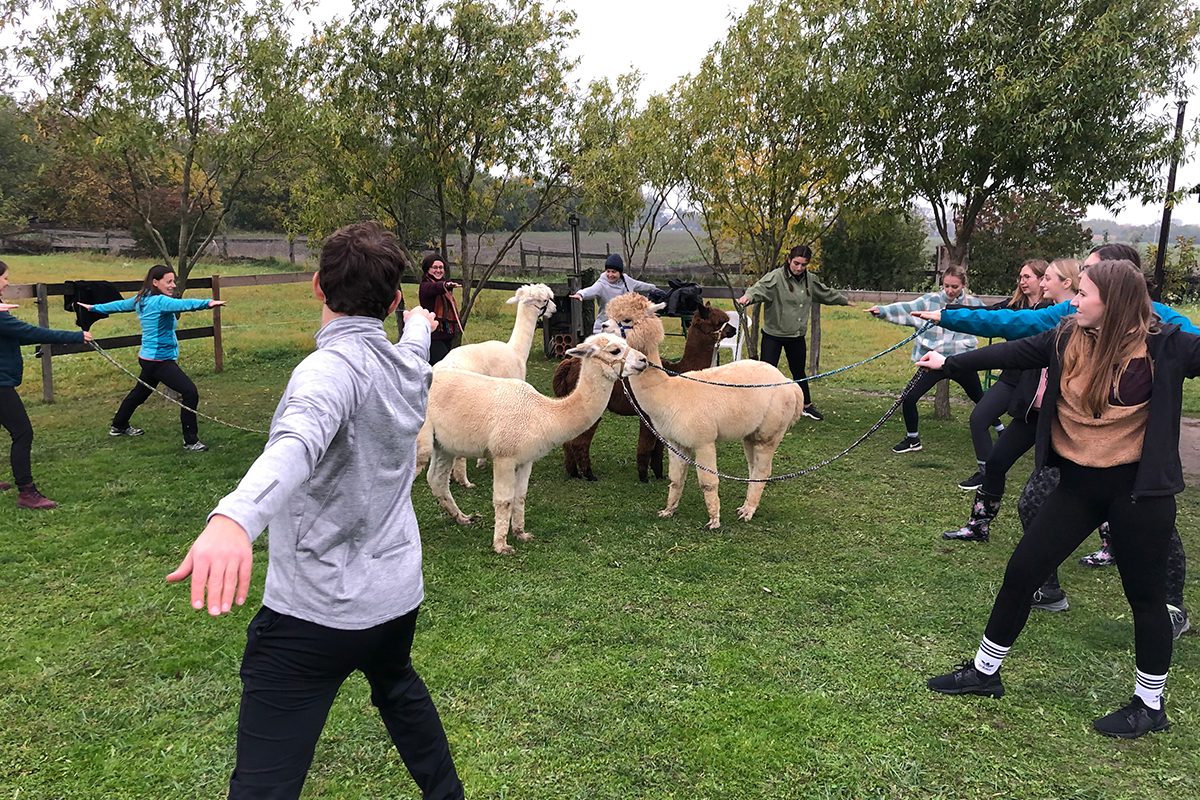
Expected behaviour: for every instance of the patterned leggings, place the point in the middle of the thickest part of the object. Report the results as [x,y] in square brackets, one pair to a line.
[1044,481]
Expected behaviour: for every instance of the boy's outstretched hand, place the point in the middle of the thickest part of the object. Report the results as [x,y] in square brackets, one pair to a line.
[220,560]
[418,311]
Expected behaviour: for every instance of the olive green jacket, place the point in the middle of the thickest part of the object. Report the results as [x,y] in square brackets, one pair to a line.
[787,301]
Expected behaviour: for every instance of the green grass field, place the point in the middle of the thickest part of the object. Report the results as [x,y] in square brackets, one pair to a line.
[616,656]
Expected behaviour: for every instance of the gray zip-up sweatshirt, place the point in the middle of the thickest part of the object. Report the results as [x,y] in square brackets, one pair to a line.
[334,481]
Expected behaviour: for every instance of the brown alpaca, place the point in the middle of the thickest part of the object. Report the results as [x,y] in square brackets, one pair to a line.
[709,326]
[695,416]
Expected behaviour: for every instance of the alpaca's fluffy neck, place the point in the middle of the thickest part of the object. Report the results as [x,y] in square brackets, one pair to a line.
[697,351]
[576,412]
[521,338]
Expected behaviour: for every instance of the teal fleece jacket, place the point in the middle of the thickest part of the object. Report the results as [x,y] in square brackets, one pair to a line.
[1007,323]
[156,313]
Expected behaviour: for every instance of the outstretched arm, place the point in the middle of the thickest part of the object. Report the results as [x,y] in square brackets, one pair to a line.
[1005,323]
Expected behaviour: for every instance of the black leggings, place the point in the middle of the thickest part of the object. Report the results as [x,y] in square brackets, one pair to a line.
[16,421]
[1045,480]
[1015,442]
[985,414]
[439,349]
[291,673]
[168,373]
[1141,530]
[797,356]
[926,380]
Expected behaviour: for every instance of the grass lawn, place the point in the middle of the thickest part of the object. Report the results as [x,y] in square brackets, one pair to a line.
[616,656]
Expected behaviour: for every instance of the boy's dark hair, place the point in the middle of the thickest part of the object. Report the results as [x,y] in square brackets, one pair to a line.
[1115,251]
[3,268]
[360,270]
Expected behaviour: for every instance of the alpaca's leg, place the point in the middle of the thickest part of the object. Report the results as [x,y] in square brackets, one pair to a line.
[759,458]
[648,449]
[459,474]
[438,478]
[678,472]
[570,464]
[583,451]
[424,445]
[503,486]
[518,509]
[706,456]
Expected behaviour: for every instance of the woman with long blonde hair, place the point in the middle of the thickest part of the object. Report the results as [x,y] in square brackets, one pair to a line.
[1110,423]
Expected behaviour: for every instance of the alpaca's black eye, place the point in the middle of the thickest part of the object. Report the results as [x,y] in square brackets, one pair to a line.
[615,351]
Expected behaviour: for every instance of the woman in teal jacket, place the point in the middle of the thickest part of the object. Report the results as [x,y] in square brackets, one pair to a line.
[157,311]
[13,417]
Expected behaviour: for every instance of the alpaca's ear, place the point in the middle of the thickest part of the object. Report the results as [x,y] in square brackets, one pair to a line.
[657,307]
[512,301]
[581,351]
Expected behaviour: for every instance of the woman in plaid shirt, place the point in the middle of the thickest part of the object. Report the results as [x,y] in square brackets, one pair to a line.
[954,286]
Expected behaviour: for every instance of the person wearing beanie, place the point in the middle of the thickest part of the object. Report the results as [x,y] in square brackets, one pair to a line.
[435,296]
[787,295]
[611,284]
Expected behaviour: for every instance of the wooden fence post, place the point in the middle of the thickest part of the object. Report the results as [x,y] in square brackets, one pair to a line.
[43,304]
[218,346]
[941,401]
[573,286]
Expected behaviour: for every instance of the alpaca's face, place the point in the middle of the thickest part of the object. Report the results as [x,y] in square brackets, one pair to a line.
[612,354]
[538,295]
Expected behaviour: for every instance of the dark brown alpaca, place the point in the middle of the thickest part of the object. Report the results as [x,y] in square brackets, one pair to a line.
[709,326]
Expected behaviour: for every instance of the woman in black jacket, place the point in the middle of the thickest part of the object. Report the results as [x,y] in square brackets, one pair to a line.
[1110,422]
[13,417]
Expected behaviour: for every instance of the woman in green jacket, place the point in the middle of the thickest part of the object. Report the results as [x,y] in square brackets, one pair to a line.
[787,296]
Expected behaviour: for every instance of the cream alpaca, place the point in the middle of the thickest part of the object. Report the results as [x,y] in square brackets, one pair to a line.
[501,359]
[695,416]
[508,421]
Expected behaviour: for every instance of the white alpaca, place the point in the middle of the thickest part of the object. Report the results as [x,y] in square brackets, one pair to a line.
[508,421]
[501,359]
[695,416]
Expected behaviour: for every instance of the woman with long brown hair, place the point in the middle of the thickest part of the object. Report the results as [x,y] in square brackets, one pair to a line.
[1110,422]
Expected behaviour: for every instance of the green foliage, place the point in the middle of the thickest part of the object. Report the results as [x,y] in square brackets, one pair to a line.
[187,96]
[769,158]
[879,248]
[1014,227]
[961,101]
[1181,270]
[439,113]
[628,163]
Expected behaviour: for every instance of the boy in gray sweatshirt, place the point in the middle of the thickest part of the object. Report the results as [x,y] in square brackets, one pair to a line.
[344,579]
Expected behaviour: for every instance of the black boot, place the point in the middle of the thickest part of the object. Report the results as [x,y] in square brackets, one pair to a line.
[984,510]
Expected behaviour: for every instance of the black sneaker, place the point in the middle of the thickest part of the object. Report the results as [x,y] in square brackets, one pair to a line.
[811,412]
[1133,720]
[972,483]
[1179,621]
[113,430]
[1050,599]
[965,679]
[909,444]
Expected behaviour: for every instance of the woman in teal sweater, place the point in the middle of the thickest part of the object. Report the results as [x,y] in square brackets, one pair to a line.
[157,311]
[13,417]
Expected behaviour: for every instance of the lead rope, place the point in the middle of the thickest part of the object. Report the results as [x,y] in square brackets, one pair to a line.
[163,394]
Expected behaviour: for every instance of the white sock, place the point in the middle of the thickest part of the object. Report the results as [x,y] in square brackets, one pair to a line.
[998,428]
[989,656]
[912,435]
[982,466]
[1150,689]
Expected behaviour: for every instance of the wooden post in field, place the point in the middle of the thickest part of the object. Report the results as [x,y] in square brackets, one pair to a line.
[814,345]
[941,400]
[43,304]
[573,286]
[218,348]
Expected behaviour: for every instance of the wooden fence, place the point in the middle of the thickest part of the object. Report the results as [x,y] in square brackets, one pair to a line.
[42,292]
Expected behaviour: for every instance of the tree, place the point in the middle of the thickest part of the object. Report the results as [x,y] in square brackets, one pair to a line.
[21,157]
[627,166]
[769,160]
[194,95]
[452,110]
[1014,227]
[876,248]
[961,100]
